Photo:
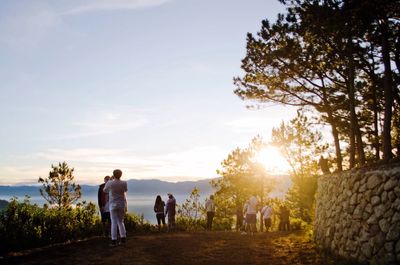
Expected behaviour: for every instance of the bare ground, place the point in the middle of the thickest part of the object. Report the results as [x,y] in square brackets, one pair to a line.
[183,248]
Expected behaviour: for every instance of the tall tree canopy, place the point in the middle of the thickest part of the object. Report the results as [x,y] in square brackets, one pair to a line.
[336,58]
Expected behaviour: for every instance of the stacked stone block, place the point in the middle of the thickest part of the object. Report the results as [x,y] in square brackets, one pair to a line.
[358,214]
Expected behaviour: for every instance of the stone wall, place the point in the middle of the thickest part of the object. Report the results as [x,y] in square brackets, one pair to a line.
[358,214]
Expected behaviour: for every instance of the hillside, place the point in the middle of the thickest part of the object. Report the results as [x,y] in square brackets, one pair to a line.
[134,186]
[201,248]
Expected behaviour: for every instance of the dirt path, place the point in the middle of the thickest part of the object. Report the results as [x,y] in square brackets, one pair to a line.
[185,248]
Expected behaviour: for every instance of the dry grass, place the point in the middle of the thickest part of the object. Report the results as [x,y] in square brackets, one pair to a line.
[184,248]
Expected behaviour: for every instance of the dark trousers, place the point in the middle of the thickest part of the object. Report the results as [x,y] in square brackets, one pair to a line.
[284,225]
[160,218]
[210,217]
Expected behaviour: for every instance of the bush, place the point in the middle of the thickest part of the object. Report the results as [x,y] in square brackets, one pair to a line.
[25,225]
[137,223]
[222,224]
[298,224]
[184,223]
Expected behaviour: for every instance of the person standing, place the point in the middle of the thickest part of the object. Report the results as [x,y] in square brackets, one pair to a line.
[284,224]
[170,212]
[159,206]
[323,163]
[266,211]
[251,214]
[104,206]
[210,209]
[118,206]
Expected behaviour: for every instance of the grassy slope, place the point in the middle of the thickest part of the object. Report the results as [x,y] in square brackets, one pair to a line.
[185,248]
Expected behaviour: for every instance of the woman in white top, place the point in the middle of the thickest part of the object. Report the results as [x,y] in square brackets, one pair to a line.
[118,206]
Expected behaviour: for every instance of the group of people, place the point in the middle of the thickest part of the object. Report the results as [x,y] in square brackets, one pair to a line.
[250,216]
[113,206]
[170,211]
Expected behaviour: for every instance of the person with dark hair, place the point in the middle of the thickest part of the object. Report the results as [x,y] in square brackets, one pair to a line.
[159,206]
[103,202]
[170,212]
[210,209]
[323,164]
[118,206]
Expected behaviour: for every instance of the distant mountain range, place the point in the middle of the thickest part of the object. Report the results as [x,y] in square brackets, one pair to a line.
[134,186]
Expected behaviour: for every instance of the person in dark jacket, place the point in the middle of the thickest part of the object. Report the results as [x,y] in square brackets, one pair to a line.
[159,206]
[103,202]
[170,212]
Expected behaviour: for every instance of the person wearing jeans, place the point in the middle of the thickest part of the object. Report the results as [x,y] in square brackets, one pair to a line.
[117,189]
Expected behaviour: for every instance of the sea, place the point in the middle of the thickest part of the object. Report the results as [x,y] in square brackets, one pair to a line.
[138,203]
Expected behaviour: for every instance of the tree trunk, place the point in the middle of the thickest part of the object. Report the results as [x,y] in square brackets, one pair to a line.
[355,132]
[388,93]
[351,106]
[376,127]
[360,145]
[335,135]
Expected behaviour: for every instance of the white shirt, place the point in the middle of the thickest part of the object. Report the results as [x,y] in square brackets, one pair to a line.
[266,211]
[107,205]
[252,205]
[116,190]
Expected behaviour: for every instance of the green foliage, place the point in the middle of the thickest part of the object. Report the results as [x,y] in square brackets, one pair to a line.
[59,189]
[136,223]
[241,176]
[338,59]
[301,147]
[184,223]
[298,224]
[25,225]
[191,213]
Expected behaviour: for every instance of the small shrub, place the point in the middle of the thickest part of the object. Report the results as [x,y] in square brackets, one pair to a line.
[25,225]
[298,224]
[136,223]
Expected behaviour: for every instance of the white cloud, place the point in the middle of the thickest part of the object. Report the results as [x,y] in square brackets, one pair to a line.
[109,5]
[92,164]
[99,122]
[27,25]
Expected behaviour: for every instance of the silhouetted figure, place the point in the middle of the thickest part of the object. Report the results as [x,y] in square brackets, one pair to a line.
[170,212]
[239,217]
[284,223]
[104,206]
[210,209]
[323,163]
[159,206]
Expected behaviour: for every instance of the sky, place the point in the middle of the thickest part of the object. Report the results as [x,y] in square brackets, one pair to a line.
[141,85]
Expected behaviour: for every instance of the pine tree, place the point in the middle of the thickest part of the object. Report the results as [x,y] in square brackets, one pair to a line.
[59,188]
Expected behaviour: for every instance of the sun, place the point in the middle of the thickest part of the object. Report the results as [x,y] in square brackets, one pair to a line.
[272,160]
